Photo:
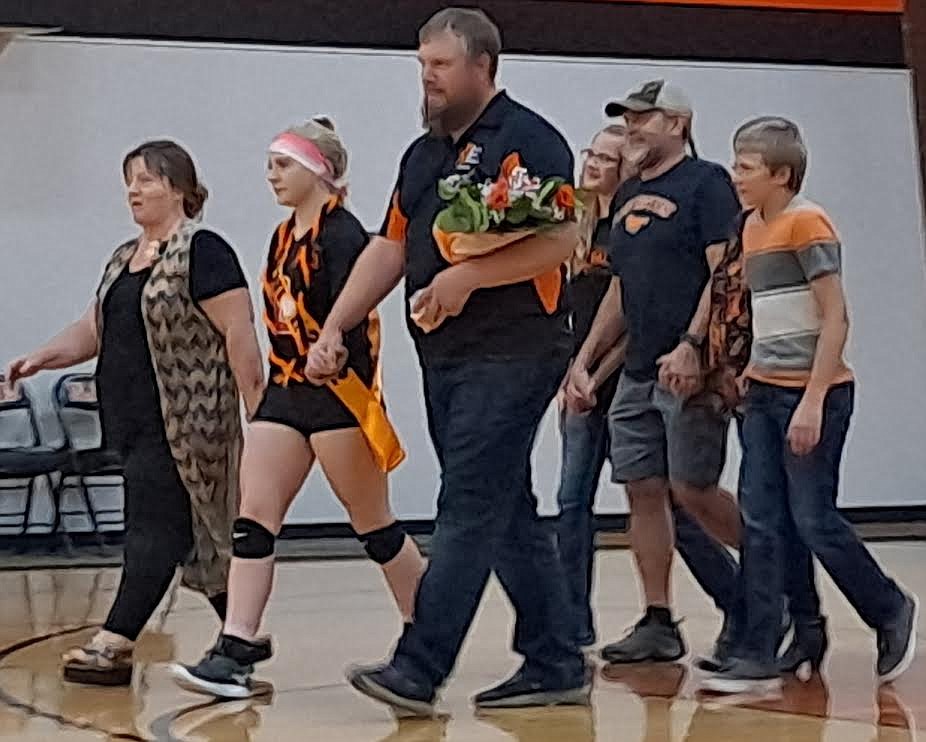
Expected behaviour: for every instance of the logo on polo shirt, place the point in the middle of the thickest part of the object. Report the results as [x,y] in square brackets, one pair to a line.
[637,213]
[634,223]
[469,157]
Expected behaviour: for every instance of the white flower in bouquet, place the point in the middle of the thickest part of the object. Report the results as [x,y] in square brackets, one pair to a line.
[521,184]
[450,186]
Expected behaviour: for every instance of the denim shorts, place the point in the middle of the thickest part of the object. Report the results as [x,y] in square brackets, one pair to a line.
[654,434]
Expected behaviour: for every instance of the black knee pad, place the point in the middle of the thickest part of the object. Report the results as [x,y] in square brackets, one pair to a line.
[250,540]
[383,545]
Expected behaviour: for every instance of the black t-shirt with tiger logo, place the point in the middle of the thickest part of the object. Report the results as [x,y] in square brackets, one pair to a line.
[660,230]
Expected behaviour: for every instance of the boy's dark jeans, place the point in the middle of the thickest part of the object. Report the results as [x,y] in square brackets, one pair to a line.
[789,502]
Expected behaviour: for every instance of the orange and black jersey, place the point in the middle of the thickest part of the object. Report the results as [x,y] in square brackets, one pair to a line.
[507,321]
[302,279]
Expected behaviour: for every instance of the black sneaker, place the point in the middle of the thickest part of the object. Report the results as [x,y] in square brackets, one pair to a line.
[897,642]
[720,654]
[225,671]
[651,640]
[725,645]
[525,691]
[743,676]
[387,685]
[807,649]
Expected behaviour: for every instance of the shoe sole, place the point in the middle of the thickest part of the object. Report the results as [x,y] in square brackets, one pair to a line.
[738,686]
[107,678]
[576,697]
[403,707]
[660,659]
[188,681]
[910,652]
[706,665]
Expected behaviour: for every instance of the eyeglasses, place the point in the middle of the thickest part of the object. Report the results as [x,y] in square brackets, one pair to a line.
[603,158]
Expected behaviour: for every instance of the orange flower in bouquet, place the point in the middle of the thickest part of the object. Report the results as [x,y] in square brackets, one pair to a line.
[497,197]
[565,197]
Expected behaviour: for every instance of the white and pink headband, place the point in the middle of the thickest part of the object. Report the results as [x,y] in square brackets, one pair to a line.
[307,154]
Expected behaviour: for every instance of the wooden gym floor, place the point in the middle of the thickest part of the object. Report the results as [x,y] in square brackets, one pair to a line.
[325,615]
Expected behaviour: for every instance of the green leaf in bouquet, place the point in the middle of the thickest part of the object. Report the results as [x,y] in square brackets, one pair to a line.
[484,221]
[549,188]
[457,217]
[518,212]
[447,190]
[477,211]
[541,213]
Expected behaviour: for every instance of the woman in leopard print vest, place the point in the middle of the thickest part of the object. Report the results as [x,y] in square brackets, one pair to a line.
[172,328]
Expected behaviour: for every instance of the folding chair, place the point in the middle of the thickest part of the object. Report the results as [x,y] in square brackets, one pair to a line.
[88,465]
[24,461]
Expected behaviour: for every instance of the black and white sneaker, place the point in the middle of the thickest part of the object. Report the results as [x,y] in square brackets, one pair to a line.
[225,671]
[407,698]
[524,691]
[743,677]
[721,651]
[897,642]
[726,644]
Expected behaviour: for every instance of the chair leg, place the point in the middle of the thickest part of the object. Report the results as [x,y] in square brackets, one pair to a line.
[30,492]
[85,496]
[21,547]
[57,496]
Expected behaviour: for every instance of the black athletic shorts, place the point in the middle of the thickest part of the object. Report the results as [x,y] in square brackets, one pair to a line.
[304,407]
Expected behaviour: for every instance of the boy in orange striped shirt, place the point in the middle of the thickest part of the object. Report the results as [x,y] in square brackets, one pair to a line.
[798,405]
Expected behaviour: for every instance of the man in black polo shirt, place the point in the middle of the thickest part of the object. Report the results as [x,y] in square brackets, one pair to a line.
[491,368]
[669,227]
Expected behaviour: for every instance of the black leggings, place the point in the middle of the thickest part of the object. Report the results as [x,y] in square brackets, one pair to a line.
[158,535]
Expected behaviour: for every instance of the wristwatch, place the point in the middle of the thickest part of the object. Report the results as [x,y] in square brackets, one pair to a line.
[693,340]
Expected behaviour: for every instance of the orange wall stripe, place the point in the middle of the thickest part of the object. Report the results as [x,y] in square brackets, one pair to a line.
[867,6]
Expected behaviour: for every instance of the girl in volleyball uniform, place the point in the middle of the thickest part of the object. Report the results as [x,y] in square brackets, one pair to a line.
[303,277]
[342,424]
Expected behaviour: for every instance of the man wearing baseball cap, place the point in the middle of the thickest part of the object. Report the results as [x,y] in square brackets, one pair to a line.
[668,435]
[655,96]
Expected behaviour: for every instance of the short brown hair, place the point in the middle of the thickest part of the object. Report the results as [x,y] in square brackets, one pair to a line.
[780,144]
[478,32]
[171,161]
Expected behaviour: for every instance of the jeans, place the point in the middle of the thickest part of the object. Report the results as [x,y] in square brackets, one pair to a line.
[717,572]
[709,561]
[483,417]
[585,448]
[783,495]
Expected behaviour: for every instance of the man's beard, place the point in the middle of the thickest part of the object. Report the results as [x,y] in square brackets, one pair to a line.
[640,156]
[450,118]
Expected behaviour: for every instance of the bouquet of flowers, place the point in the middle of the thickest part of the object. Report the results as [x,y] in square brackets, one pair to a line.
[482,217]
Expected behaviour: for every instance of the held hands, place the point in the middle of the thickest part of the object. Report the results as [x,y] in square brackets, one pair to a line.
[806,425]
[326,357]
[579,393]
[444,297]
[680,371]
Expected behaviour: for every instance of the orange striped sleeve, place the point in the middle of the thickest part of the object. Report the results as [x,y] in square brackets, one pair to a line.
[396,225]
[812,226]
[796,230]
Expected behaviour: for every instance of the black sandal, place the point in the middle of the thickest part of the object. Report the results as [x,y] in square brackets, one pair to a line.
[98,665]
